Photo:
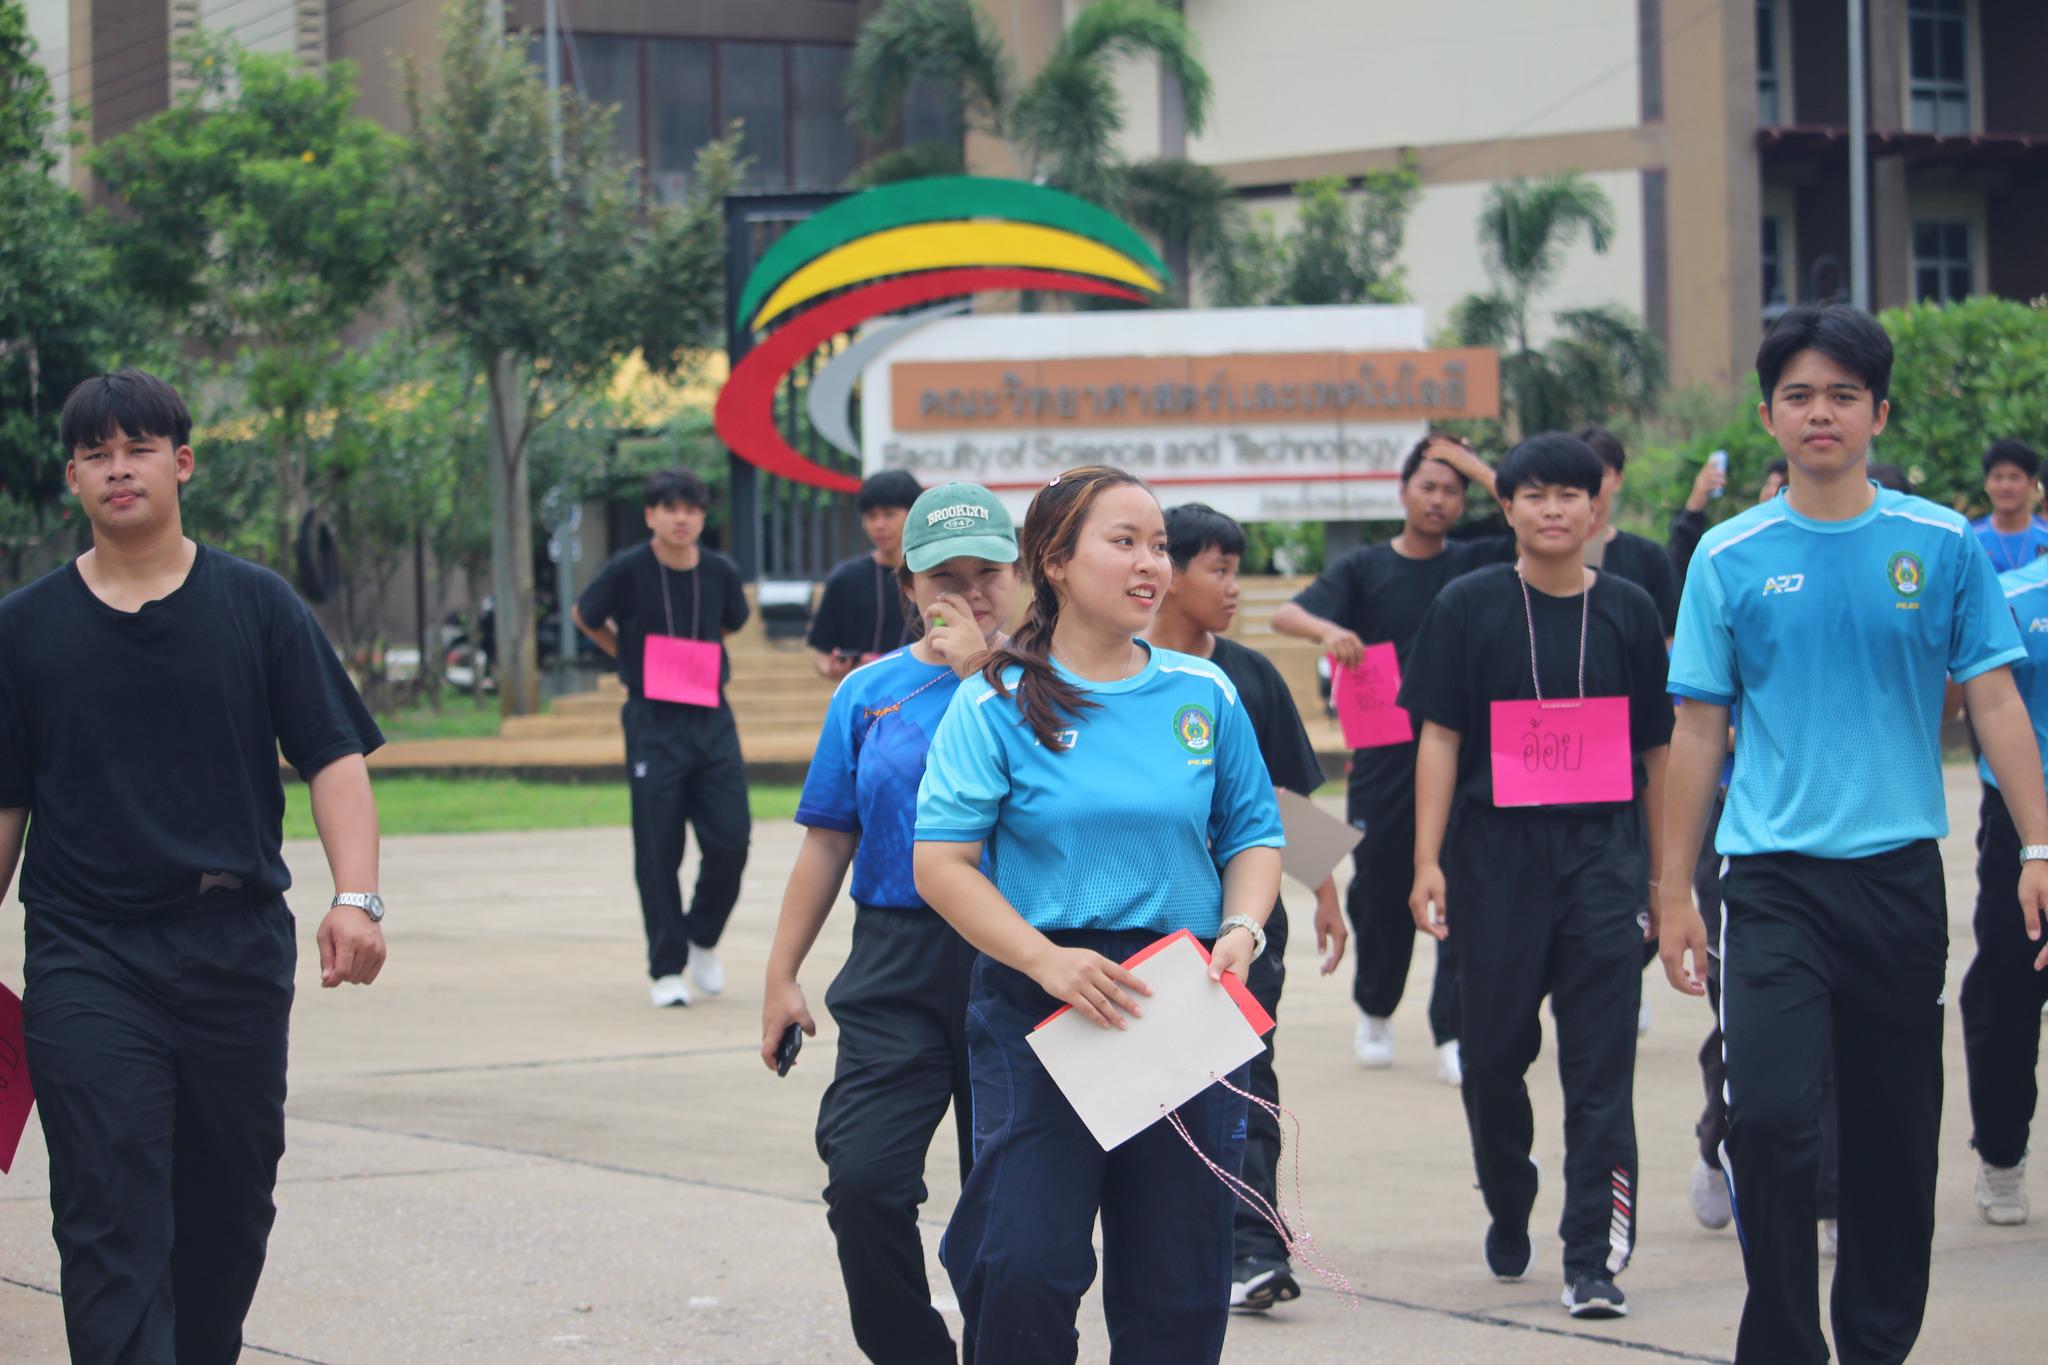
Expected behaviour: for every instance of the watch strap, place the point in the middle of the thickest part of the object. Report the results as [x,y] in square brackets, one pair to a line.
[2034,853]
[369,902]
[1247,923]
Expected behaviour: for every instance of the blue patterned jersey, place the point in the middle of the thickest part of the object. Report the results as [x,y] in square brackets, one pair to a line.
[1837,638]
[2026,594]
[863,778]
[2015,551]
[1124,828]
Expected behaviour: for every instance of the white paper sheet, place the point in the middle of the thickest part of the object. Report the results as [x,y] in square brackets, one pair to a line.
[1122,1081]
[1316,840]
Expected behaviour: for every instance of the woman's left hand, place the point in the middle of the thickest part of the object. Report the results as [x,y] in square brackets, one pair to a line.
[1233,954]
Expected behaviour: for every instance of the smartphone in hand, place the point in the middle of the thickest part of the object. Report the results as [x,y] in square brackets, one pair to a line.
[786,1050]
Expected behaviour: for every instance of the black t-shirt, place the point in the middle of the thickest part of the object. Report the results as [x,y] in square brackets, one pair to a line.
[1382,596]
[861,611]
[641,596]
[144,744]
[1474,651]
[1687,526]
[1291,760]
[1646,564]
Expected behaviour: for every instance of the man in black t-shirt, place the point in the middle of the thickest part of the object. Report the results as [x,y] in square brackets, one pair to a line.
[663,610]
[860,616]
[140,756]
[1207,547]
[1545,723]
[1625,554]
[1378,594]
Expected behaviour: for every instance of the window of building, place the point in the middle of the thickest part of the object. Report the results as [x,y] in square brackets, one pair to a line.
[676,94]
[1767,110]
[1775,296]
[1942,271]
[1938,88]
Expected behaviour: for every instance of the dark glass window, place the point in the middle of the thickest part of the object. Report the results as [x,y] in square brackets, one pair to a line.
[1938,88]
[1942,271]
[1767,111]
[752,89]
[680,114]
[1774,263]
[824,144]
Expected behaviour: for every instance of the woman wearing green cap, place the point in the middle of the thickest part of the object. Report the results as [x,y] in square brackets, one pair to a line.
[901,999]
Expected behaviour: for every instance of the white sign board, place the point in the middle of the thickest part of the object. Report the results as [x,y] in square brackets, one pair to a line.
[1308,420]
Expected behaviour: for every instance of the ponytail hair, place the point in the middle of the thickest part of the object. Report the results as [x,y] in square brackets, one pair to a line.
[913,619]
[1050,535]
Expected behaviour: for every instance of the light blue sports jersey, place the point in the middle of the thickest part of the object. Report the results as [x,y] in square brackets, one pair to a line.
[870,757]
[2015,551]
[2026,593]
[1125,828]
[1837,638]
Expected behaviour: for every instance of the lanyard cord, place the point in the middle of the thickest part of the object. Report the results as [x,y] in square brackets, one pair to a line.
[882,586]
[668,612]
[2005,554]
[1529,615]
[875,715]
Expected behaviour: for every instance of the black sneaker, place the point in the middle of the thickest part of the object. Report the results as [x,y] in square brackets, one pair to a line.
[1594,1294]
[1508,1253]
[1256,1285]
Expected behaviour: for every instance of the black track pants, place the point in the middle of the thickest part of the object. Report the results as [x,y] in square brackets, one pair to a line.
[1851,953]
[158,1050]
[900,1005]
[1383,932]
[1547,903]
[685,771]
[2002,997]
[1252,1234]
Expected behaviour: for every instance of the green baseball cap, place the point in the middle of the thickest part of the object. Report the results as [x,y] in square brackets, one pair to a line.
[957,519]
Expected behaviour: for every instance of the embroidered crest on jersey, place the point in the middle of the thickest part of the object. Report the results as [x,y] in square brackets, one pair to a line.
[1907,574]
[1195,728]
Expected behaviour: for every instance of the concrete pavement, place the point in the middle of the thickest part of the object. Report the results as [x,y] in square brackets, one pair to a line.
[500,1153]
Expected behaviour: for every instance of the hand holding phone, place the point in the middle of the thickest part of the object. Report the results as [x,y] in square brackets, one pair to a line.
[785,1051]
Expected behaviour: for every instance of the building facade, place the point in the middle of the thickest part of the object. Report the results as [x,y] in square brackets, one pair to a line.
[1718,128]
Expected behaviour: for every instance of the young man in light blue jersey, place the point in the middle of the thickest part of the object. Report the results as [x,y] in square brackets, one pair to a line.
[1835,616]
[2002,992]
[2011,534]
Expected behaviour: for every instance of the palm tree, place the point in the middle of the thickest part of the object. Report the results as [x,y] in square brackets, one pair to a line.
[1059,128]
[1603,360]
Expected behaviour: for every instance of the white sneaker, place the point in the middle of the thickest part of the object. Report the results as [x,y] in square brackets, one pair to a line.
[707,973]
[1373,1042]
[1643,1016]
[1449,1069]
[1830,1237]
[2002,1193]
[669,990]
[1709,1195]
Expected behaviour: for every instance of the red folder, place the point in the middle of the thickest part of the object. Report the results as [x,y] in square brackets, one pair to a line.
[17,1097]
[1247,1004]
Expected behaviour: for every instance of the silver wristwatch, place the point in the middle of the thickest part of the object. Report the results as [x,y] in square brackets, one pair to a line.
[1245,922]
[2034,853]
[369,902]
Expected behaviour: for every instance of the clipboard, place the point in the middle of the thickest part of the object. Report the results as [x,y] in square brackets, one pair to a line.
[1316,840]
[1122,1081]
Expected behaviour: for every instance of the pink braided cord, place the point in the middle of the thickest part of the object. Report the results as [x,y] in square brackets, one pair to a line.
[1300,1246]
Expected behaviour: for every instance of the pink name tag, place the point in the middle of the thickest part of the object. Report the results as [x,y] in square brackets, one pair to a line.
[1554,753]
[1365,700]
[674,669]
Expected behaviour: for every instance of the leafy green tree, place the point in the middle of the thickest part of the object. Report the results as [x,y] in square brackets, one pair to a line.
[545,283]
[260,217]
[1339,250]
[1964,374]
[60,318]
[1603,361]
[1058,128]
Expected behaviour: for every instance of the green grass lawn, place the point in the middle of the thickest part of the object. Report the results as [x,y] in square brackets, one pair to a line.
[460,717]
[439,805]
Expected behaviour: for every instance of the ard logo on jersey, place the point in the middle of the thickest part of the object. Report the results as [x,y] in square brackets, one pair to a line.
[1907,574]
[2038,626]
[1784,582]
[1195,728]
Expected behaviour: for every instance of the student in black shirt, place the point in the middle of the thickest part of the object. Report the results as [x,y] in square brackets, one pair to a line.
[1206,547]
[1624,554]
[860,617]
[1544,883]
[146,690]
[655,601]
[1378,594]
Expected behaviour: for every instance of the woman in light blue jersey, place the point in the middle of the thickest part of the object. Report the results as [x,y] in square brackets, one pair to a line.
[1118,794]
[901,999]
